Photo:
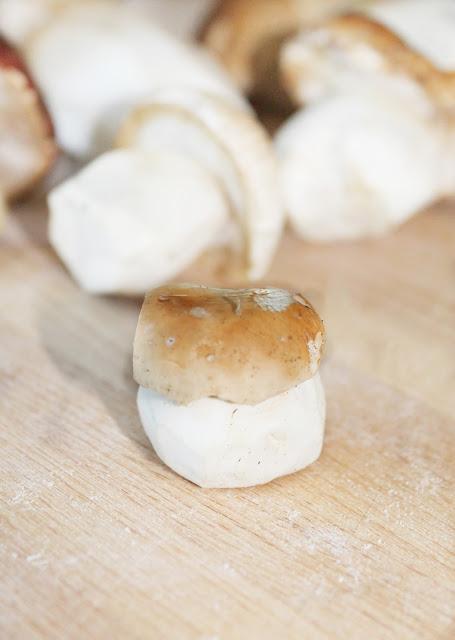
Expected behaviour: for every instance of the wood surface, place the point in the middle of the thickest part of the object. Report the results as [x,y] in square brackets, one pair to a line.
[99,540]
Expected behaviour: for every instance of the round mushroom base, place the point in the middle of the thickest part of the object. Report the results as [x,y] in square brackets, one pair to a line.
[218,444]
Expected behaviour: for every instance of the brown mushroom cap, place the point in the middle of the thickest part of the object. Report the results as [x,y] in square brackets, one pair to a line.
[239,345]
[344,34]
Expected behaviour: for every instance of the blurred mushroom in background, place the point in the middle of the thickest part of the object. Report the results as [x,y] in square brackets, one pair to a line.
[374,141]
[97,60]
[192,172]
[247,36]
[20,18]
[27,148]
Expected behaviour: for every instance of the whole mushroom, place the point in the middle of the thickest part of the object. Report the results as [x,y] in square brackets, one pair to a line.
[374,142]
[230,394]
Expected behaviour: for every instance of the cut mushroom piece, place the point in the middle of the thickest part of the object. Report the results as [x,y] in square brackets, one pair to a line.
[27,148]
[232,146]
[230,394]
[131,220]
[246,36]
[358,165]
[96,61]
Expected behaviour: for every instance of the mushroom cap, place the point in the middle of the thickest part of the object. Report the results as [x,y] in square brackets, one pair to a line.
[96,61]
[348,52]
[232,145]
[219,444]
[239,345]
[242,32]
[27,147]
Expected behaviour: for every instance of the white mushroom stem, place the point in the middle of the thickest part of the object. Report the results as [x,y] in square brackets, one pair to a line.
[357,165]
[95,61]
[218,444]
[234,149]
[130,221]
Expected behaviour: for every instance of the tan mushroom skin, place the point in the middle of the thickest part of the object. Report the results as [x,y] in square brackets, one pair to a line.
[237,345]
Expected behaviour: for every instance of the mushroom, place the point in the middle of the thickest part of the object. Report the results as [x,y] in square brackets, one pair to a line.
[230,394]
[375,144]
[246,36]
[96,61]
[20,18]
[27,147]
[192,172]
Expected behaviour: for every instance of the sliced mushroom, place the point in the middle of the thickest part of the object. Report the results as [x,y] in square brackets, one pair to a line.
[232,146]
[96,61]
[376,144]
[27,147]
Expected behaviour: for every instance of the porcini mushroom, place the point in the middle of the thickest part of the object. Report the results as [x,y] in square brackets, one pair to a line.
[230,394]
[27,147]
[375,143]
[246,36]
[96,61]
[192,172]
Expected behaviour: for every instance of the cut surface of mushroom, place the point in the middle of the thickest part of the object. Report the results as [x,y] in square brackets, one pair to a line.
[96,61]
[232,146]
[27,147]
[129,220]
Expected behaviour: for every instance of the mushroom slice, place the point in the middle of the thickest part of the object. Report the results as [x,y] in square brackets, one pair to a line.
[27,148]
[130,220]
[358,165]
[231,145]
[95,61]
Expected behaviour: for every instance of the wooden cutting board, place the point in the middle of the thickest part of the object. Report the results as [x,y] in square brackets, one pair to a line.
[99,540]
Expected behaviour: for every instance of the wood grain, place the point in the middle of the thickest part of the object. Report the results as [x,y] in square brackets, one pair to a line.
[99,540]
